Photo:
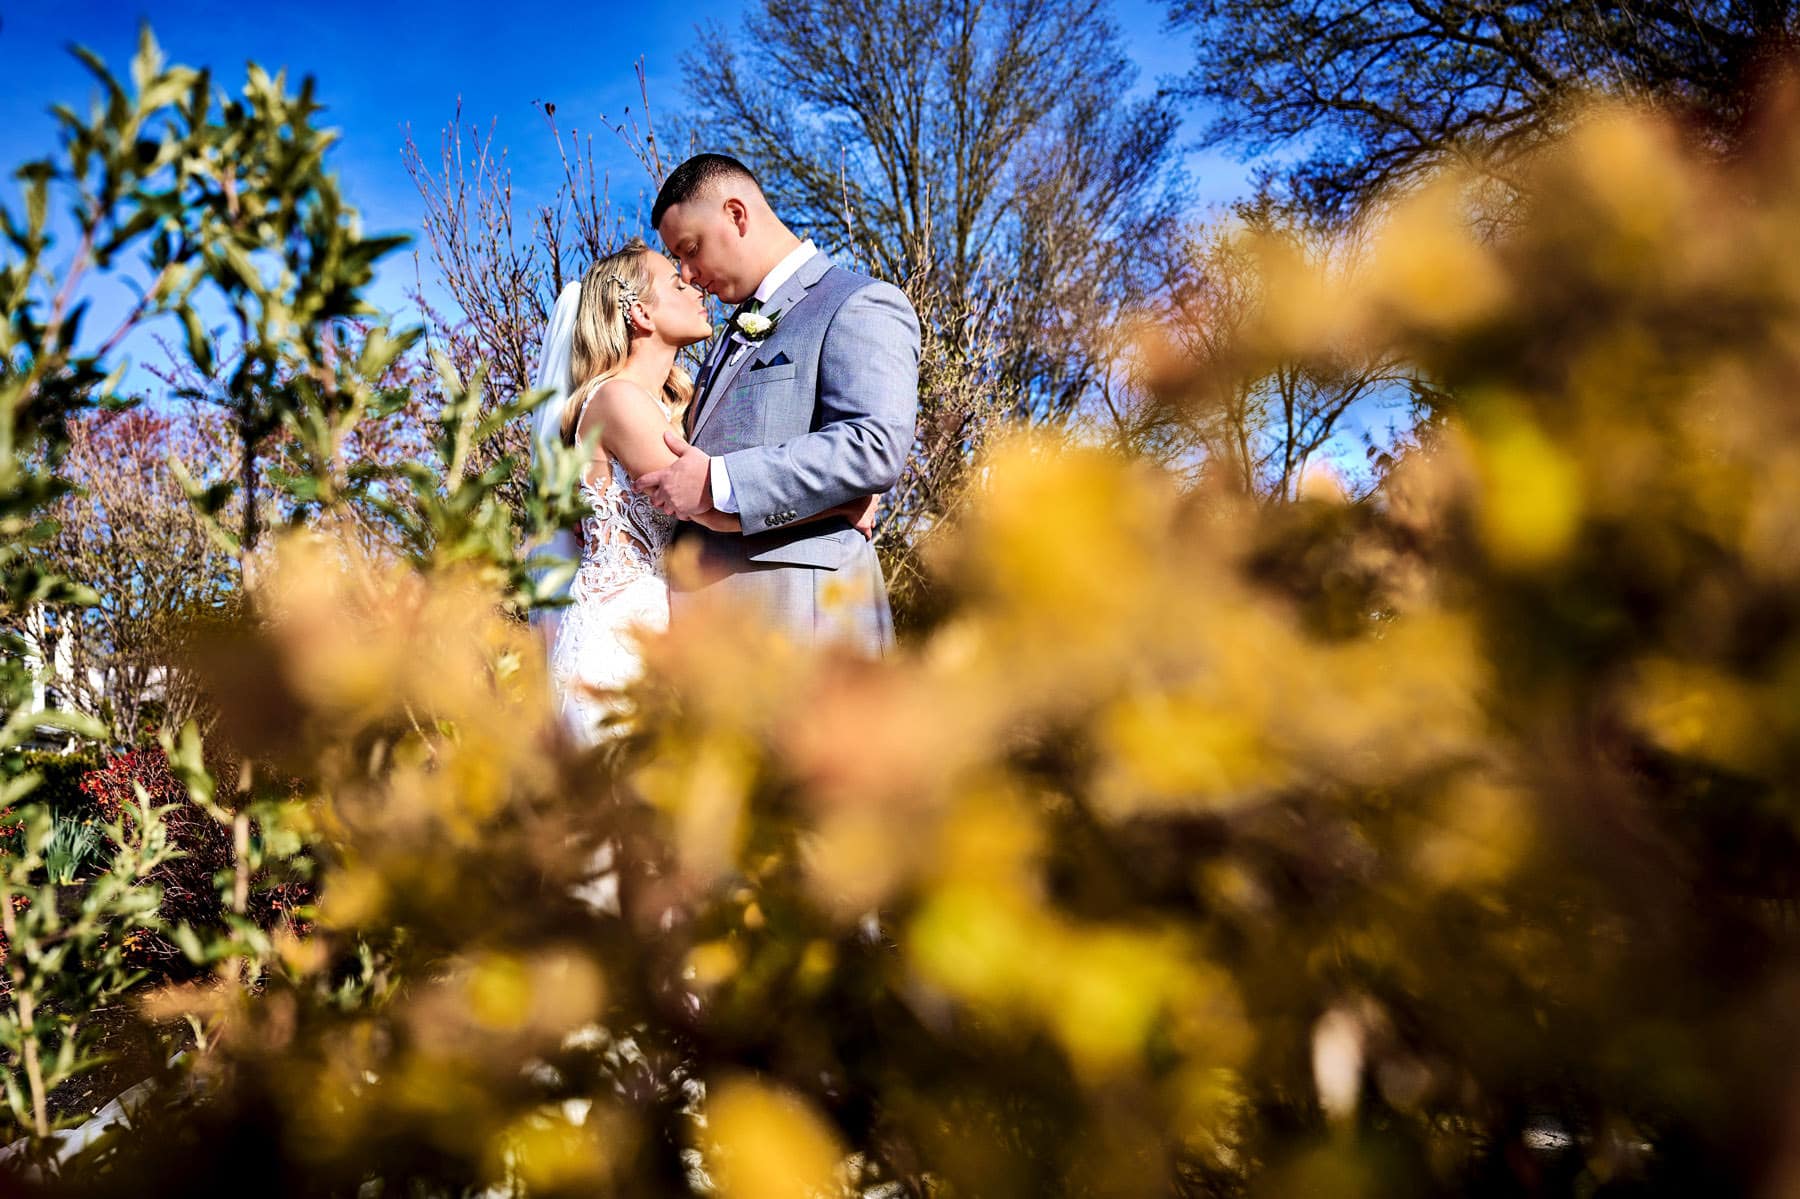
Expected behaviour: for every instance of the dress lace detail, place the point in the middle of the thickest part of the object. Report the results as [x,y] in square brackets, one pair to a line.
[619,592]
[623,540]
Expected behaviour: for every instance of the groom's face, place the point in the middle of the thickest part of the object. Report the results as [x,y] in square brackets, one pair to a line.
[706,238]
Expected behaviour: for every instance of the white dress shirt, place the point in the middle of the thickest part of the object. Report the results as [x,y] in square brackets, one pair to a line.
[722,498]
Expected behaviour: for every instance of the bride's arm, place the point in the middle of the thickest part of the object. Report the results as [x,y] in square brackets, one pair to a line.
[859,512]
[631,432]
[631,428]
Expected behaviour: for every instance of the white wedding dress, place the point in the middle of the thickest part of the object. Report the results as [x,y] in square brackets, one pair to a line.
[619,592]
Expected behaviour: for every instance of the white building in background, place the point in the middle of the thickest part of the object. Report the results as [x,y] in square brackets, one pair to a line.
[50,659]
[54,647]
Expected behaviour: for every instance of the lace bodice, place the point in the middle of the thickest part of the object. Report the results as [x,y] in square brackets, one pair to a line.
[622,541]
[619,593]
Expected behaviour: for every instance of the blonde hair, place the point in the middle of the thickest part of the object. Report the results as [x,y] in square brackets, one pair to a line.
[603,332]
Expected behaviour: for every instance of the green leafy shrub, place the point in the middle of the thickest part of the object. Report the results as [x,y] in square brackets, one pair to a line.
[59,777]
[218,206]
[196,884]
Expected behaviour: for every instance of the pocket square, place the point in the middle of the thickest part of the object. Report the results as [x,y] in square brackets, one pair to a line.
[780,359]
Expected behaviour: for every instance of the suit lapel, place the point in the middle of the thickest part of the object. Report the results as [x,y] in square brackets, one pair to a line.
[789,294]
[703,385]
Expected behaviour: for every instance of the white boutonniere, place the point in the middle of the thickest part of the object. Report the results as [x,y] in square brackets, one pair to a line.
[754,326]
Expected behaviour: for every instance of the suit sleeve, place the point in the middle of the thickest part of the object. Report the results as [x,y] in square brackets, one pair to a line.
[868,407]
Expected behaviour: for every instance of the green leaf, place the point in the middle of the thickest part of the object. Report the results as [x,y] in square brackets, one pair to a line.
[446,371]
[78,723]
[14,789]
[37,204]
[303,487]
[188,942]
[147,64]
[97,65]
[188,760]
[208,501]
[199,343]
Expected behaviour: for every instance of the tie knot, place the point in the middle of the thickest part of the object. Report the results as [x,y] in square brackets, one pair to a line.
[751,305]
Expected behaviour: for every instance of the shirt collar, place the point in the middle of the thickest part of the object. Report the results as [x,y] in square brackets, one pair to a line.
[785,269]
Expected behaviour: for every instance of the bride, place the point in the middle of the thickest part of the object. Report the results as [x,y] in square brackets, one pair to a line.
[635,316]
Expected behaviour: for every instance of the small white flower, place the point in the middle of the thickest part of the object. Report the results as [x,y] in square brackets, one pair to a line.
[754,324]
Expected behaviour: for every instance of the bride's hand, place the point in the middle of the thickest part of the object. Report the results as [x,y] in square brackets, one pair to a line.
[862,515]
[717,521]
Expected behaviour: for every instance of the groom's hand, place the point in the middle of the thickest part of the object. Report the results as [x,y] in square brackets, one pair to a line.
[683,488]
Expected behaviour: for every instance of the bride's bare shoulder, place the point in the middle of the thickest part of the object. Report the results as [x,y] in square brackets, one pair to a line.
[619,399]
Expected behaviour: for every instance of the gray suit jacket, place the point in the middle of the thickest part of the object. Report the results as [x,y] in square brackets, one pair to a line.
[821,411]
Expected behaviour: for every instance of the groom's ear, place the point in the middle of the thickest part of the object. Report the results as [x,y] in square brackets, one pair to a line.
[738,213]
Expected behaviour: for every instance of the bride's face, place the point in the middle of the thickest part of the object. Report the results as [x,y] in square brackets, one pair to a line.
[680,314]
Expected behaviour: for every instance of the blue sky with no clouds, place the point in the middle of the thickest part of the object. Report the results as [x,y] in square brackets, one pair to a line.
[382,68]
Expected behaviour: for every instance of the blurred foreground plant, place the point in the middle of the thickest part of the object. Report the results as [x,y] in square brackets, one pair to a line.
[1201,847]
[210,203]
[1330,848]
[64,958]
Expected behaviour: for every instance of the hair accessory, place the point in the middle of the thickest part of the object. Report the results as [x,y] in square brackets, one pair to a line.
[628,295]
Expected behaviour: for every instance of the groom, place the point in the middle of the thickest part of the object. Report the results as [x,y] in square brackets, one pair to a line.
[807,401]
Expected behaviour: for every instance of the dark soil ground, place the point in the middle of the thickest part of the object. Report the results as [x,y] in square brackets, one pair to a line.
[130,1052]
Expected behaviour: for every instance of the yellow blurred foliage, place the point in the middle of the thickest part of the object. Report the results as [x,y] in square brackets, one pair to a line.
[765,1143]
[1427,268]
[1492,770]
[552,1153]
[1530,503]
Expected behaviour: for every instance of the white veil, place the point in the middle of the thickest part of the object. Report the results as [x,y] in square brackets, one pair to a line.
[546,421]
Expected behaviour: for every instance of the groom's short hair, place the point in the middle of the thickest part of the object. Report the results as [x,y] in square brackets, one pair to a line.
[697,175]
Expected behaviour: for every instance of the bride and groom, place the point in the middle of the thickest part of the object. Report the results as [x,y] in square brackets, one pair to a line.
[768,463]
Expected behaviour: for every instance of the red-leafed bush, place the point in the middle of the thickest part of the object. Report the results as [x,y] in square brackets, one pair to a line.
[193,883]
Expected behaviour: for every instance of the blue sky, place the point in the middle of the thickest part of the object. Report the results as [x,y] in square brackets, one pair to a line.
[382,68]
